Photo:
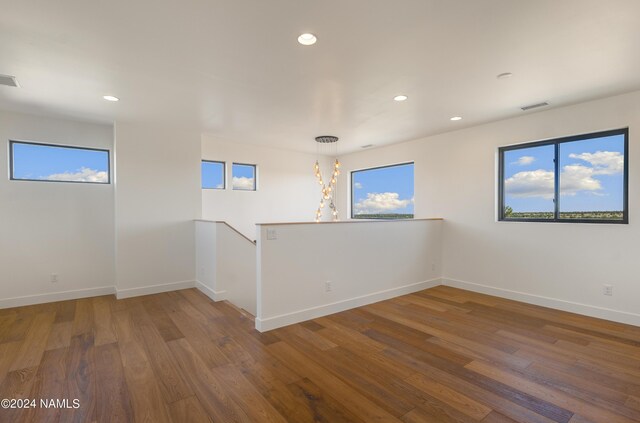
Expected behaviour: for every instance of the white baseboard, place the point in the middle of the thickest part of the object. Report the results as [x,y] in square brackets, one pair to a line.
[214,295]
[56,296]
[570,306]
[153,289]
[275,322]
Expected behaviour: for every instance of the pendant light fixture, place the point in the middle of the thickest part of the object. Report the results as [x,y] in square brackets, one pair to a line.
[327,146]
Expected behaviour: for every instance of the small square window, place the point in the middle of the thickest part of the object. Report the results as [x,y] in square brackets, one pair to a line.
[213,174]
[243,177]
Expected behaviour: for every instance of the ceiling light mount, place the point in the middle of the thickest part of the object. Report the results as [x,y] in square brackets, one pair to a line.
[400,97]
[504,75]
[307,39]
[9,81]
[326,139]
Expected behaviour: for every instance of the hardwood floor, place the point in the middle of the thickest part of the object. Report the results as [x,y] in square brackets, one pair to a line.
[440,355]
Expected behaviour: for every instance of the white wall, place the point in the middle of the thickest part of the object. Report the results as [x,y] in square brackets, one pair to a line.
[207,259]
[157,198]
[558,265]
[287,189]
[236,270]
[226,264]
[365,262]
[47,227]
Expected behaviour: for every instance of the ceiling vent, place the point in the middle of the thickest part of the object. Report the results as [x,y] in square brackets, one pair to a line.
[9,81]
[534,106]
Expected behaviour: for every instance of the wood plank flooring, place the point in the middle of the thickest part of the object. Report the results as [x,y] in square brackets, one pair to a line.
[439,355]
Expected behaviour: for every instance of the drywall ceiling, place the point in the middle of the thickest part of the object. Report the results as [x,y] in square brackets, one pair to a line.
[234,69]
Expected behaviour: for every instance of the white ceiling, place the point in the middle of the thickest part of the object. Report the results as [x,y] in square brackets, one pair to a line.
[233,68]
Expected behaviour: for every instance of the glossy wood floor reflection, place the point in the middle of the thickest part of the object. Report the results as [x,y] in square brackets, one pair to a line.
[440,355]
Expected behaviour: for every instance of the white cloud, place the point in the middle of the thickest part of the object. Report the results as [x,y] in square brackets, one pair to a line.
[357,185]
[531,183]
[575,178]
[525,160]
[603,162]
[242,182]
[219,186]
[84,174]
[381,202]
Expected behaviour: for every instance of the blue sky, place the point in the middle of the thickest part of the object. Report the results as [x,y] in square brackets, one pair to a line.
[32,161]
[384,190]
[591,176]
[212,175]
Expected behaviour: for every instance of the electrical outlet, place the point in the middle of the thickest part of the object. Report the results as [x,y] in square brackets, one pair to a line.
[272,234]
[607,290]
[327,286]
[54,278]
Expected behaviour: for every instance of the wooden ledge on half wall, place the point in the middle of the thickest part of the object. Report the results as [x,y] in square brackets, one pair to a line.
[348,221]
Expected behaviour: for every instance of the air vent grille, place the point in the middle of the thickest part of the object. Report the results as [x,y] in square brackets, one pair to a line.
[9,81]
[534,106]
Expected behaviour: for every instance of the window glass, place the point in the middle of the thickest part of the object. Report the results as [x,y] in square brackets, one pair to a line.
[592,179]
[212,175]
[529,183]
[244,177]
[53,163]
[383,193]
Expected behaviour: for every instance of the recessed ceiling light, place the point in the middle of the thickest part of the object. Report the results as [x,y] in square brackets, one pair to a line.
[110,98]
[455,118]
[505,75]
[400,98]
[307,39]
[366,146]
